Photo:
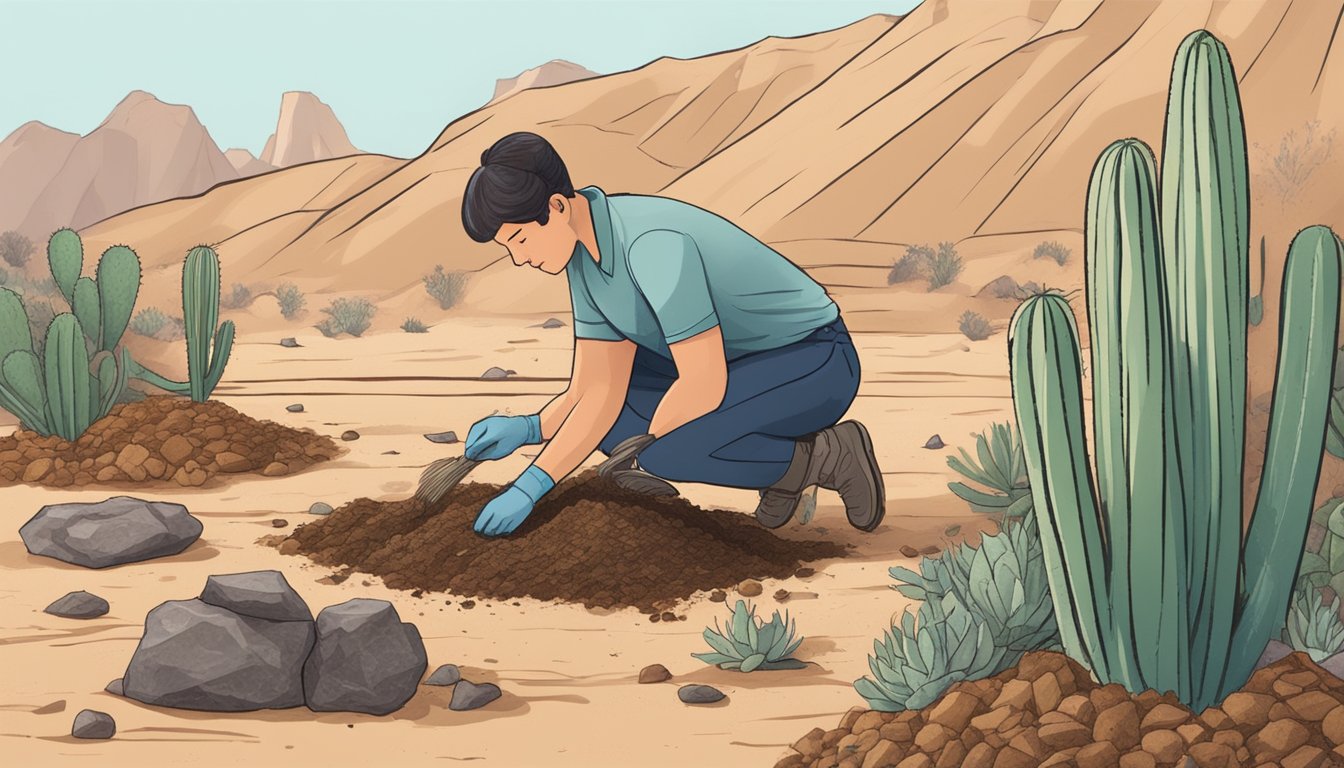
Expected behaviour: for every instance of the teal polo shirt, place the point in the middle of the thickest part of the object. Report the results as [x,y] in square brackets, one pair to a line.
[669,270]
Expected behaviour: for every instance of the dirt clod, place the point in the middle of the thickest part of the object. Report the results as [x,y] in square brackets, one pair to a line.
[588,541]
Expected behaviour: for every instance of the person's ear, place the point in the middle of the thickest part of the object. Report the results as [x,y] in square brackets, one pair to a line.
[558,203]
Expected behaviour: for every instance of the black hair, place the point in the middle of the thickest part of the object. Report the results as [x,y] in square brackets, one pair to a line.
[518,176]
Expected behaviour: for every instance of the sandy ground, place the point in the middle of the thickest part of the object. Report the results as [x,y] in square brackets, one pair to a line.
[568,673]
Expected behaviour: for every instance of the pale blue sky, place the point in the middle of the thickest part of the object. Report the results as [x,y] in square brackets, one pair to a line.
[395,71]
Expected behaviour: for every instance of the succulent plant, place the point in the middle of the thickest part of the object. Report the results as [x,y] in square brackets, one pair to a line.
[748,643]
[1001,468]
[1313,627]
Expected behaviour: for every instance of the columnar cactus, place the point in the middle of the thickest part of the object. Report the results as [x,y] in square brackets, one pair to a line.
[200,312]
[1148,573]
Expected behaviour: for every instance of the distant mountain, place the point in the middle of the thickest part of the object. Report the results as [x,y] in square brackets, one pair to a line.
[246,163]
[557,72]
[145,151]
[307,130]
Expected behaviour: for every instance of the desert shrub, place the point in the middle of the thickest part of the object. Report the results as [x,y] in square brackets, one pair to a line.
[912,265]
[445,287]
[346,315]
[15,248]
[944,266]
[984,607]
[1052,250]
[238,297]
[1314,627]
[1002,468]
[291,300]
[148,322]
[412,325]
[173,330]
[974,326]
[748,643]
[1299,154]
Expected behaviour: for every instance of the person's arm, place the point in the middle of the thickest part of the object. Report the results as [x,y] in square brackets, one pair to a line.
[701,383]
[594,400]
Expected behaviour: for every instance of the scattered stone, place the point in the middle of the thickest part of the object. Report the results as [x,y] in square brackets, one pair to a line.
[259,594]
[391,453]
[699,694]
[1119,725]
[319,508]
[934,443]
[669,616]
[804,573]
[718,596]
[1279,738]
[288,341]
[495,373]
[781,595]
[448,437]
[1249,710]
[364,659]
[279,522]
[468,695]
[115,688]
[91,724]
[119,530]
[654,673]
[909,551]
[294,408]
[349,435]
[551,322]
[448,674]
[468,604]
[750,588]
[78,605]
[931,549]
[195,655]
[954,710]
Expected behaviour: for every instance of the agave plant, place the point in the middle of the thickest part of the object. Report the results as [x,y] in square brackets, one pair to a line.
[748,643]
[1001,468]
[1313,627]
[1002,583]
[914,663]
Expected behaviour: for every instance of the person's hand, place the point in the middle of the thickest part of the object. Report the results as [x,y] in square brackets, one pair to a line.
[504,513]
[495,437]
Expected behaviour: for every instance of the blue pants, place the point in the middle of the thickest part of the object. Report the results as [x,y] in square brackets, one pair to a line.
[773,397]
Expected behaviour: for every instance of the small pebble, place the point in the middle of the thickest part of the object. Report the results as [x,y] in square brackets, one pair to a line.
[418,593]
[909,551]
[78,605]
[468,695]
[934,443]
[655,617]
[750,588]
[448,674]
[718,596]
[468,604]
[91,724]
[391,453]
[654,673]
[442,437]
[490,661]
[782,595]
[320,508]
[699,694]
[288,341]
[279,522]
[295,408]
[669,616]
[932,549]
[804,573]
[551,322]
[495,372]
[349,435]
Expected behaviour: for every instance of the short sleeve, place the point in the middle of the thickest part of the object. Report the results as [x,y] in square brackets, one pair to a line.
[668,269]
[588,321]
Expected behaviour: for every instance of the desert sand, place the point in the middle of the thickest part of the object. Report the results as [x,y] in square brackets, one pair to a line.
[568,673]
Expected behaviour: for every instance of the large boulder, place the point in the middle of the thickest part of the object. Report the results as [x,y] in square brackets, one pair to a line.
[259,594]
[119,530]
[364,660]
[199,656]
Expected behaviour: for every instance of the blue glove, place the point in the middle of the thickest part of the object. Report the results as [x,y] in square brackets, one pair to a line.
[504,513]
[495,437]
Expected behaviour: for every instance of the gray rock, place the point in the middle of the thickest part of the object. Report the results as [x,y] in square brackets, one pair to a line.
[699,694]
[349,435]
[115,688]
[1272,653]
[442,437]
[551,322]
[391,453]
[365,659]
[448,674]
[91,724]
[259,594]
[934,443]
[319,508]
[1334,665]
[295,408]
[199,656]
[468,695]
[496,373]
[288,341]
[78,605]
[119,530]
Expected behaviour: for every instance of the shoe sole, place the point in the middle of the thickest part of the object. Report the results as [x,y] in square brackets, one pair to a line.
[875,472]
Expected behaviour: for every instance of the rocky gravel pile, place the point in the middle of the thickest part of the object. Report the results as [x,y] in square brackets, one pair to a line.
[163,438]
[1048,712]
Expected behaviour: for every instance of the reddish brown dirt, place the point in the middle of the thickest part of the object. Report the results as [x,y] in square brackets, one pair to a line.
[587,542]
[1047,711]
[162,438]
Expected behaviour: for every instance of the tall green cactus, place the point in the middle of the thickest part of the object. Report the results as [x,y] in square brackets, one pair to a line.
[200,311]
[103,304]
[1146,565]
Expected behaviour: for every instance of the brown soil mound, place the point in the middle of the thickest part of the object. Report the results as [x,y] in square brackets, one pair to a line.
[1048,712]
[163,438]
[588,542]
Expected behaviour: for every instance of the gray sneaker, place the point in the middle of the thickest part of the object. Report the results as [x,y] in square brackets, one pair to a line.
[838,458]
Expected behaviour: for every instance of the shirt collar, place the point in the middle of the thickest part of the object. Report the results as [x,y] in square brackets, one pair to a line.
[606,240]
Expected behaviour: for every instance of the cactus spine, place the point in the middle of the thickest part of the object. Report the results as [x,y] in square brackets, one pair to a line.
[1145,565]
